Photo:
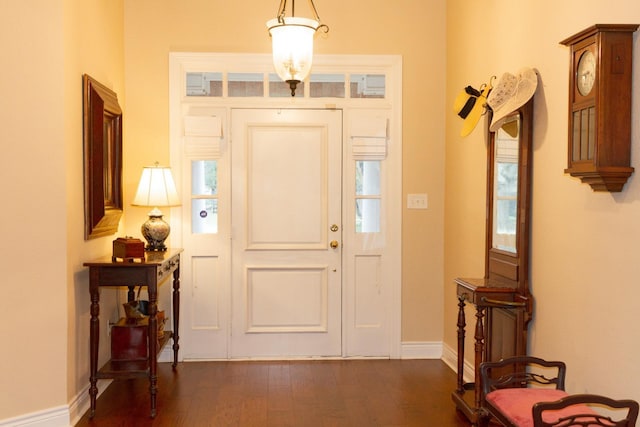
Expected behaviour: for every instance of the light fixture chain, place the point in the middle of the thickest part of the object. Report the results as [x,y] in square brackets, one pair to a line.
[282,10]
[315,12]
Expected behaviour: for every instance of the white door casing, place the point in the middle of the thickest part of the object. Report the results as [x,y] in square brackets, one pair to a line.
[370,262]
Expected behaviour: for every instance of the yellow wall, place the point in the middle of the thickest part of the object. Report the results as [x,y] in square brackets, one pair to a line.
[32,162]
[47,45]
[584,245]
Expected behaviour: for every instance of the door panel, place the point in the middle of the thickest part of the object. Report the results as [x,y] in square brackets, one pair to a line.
[286,187]
[286,277]
[286,299]
[206,302]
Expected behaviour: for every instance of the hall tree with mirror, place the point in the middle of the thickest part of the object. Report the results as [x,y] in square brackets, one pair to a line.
[502,300]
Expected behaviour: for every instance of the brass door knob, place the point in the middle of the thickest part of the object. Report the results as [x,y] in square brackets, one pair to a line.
[334,244]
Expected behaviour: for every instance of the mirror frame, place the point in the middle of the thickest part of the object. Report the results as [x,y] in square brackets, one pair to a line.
[508,268]
[102,137]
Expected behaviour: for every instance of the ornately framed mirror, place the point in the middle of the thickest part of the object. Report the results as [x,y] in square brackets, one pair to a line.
[102,134]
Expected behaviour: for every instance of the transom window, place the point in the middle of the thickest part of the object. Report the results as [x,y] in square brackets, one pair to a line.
[319,85]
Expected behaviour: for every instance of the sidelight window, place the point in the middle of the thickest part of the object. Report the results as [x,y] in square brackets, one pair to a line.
[368,196]
[204,196]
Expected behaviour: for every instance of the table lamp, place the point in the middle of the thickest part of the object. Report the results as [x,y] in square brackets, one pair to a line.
[157,189]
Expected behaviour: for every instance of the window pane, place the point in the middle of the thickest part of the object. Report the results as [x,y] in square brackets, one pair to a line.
[367,86]
[204,177]
[326,86]
[507,179]
[204,216]
[506,216]
[280,89]
[367,215]
[204,84]
[368,178]
[504,236]
[246,84]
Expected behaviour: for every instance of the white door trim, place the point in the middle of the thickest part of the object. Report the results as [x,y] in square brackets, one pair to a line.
[390,107]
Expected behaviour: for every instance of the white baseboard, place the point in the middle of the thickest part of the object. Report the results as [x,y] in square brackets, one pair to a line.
[421,350]
[81,403]
[53,417]
[437,350]
[61,416]
[166,355]
[450,357]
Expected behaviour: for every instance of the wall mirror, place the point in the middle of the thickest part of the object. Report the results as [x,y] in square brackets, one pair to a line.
[508,195]
[102,134]
[505,185]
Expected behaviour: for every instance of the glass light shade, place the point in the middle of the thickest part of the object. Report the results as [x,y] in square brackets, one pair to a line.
[156,188]
[292,44]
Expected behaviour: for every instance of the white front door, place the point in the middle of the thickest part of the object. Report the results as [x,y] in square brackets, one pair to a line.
[286,239]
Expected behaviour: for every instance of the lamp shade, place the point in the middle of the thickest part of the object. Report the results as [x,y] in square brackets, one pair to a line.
[292,44]
[156,188]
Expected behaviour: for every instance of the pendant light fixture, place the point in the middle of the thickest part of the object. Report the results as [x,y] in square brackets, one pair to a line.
[292,43]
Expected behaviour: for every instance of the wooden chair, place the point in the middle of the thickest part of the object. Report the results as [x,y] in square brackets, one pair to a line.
[579,413]
[529,392]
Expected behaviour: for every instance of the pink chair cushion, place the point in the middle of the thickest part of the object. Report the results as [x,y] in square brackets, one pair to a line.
[516,404]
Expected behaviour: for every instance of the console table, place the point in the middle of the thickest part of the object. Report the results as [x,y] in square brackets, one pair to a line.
[151,272]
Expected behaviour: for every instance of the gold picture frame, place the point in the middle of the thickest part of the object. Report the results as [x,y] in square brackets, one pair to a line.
[102,135]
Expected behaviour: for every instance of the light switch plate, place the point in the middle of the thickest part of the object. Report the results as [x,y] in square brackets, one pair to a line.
[417,201]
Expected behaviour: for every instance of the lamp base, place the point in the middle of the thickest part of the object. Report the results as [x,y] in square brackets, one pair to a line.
[155,231]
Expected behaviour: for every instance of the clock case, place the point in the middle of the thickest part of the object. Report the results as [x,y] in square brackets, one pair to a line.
[599,149]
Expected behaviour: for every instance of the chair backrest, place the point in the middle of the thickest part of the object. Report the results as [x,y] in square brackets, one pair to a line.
[516,372]
[573,412]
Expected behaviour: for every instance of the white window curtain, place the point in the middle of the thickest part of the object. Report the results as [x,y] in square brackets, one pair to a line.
[203,136]
[368,137]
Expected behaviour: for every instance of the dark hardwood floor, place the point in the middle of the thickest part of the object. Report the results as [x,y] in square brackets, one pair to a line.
[367,393]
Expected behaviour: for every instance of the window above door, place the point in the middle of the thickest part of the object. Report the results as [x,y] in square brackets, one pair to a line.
[320,85]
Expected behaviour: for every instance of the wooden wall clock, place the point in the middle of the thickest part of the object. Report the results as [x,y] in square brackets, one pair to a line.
[600,105]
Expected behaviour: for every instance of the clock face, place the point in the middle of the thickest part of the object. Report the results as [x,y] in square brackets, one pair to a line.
[586,73]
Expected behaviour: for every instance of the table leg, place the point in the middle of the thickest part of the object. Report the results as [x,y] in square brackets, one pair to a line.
[461,332]
[176,315]
[479,353]
[94,339]
[153,342]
